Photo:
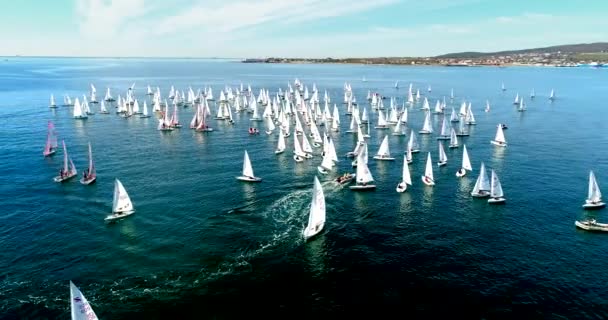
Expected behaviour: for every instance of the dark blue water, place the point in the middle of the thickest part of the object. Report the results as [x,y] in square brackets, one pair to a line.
[203,245]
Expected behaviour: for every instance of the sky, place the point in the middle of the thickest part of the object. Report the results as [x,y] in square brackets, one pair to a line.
[293,28]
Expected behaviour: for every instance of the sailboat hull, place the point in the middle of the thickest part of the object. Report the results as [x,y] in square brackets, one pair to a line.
[65,178]
[322,170]
[309,234]
[398,133]
[48,154]
[427,181]
[297,158]
[500,144]
[386,158]
[480,194]
[119,215]
[424,132]
[592,206]
[401,187]
[441,164]
[279,151]
[453,146]
[345,180]
[461,173]
[361,187]
[496,200]
[249,179]
[592,226]
[88,181]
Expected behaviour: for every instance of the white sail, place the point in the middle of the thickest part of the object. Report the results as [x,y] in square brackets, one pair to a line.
[78,112]
[594,195]
[384,151]
[500,136]
[281,142]
[427,127]
[297,147]
[443,157]
[122,202]
[247,169]
[79,305]
[482,183]
[466,162]
[52,103]
[495,187]
[306,145]
[327,163]
[428,171]
[363,173]
[412,144]
[405,174]
[316,217]
[453,139]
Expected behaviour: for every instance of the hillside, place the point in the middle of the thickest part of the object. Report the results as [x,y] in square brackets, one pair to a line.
[569,48]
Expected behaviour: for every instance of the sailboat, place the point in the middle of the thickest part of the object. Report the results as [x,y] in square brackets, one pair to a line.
[90,175]
[69,170]
[383,152]
[594,196]
[248,175]
[482,185]
[552,95]
[78,112]
[103,109]
[52,103]
[427,178]
[499,139]
[496,194]
[364,178]
[427,127]
[466,163]
[453,139]
[412,144]
[144,113]
[532,94]
[79,305]
[443,157]
[51,140]
[405,176]
[316,217]
[281,143]
[121,204]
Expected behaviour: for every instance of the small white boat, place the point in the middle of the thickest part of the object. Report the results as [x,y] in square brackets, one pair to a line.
[79,305]
[453,139]
[121,204]
[90,175]
[247,174]
[496,194]
[592,225]
[499,139]
[552,95]
[412,144]
[482,184]
[383,152]
[427,178]
[52,103]
[427,127]
[280,143]
[406,178]
[466,163]
[443,157]
[316,217]
[364,179]
[594,195]
[51,140]
[69,170]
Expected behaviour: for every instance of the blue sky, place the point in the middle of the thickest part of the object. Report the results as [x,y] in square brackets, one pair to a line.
[301,28]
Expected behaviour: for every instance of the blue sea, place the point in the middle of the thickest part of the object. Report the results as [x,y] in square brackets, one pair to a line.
[202,245]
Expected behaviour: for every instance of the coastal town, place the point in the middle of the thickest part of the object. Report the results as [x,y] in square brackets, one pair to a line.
[552,59]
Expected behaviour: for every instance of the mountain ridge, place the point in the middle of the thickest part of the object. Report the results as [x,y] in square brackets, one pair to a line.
[594,47]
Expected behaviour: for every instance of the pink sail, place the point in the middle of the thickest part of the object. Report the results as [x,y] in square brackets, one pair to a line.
[91,174]
[51,140]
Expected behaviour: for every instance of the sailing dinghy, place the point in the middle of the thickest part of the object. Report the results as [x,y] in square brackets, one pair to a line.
[316,217]
[466,163]
[496,194]
[364,177]
[427,178]
[121,204]
[68,171]
[482,184]
[89,175]
[248,175]
[405,176]
[499,139]
[592,225]
[594,196]
[79,305]
[443,157]
[51,140]
[383,152]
